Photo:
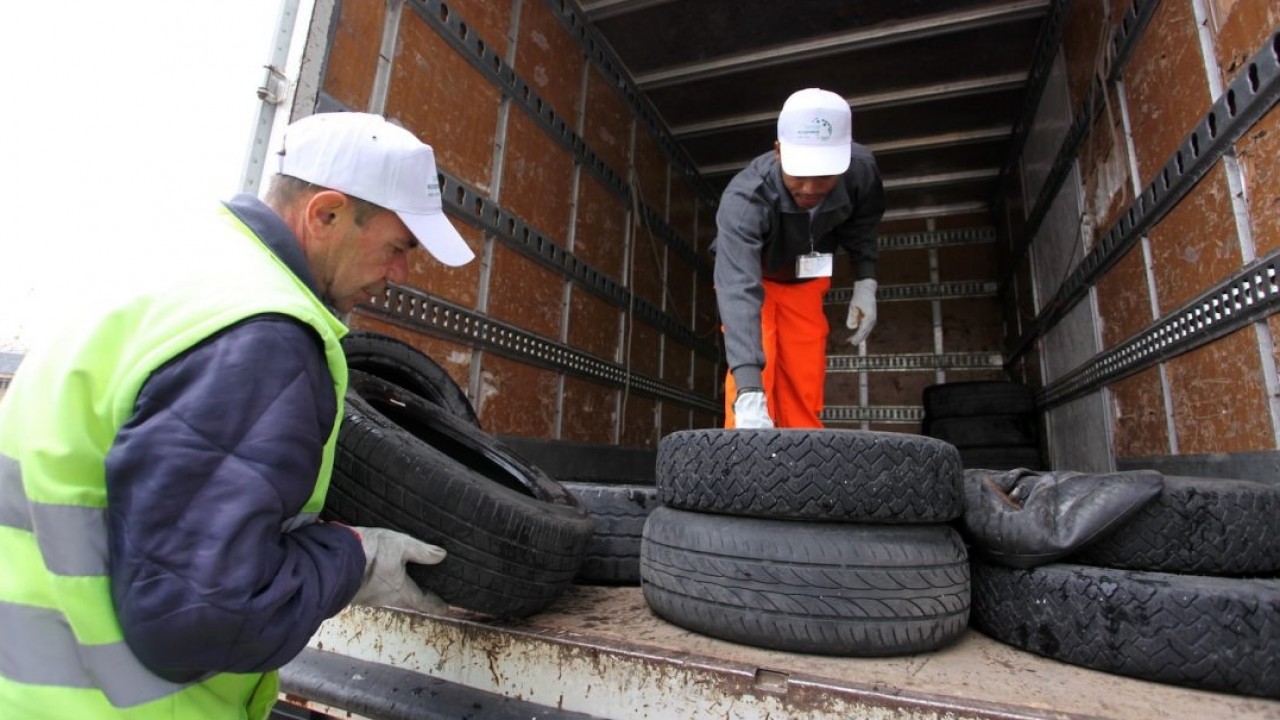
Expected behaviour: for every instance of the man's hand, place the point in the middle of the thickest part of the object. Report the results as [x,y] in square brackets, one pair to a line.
[750,411]
[862,311]
[386,584]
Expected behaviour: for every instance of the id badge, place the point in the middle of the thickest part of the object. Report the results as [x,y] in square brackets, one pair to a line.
[813,265]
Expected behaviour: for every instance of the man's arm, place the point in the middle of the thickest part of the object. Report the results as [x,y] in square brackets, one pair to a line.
[742,222]
[224,447]
[857,234]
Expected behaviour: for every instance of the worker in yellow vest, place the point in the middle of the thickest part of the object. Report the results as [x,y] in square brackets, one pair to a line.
[164,456]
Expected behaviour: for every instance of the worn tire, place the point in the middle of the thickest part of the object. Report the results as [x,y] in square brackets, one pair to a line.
[1200,526]
[515,538]
[402,364]
[823,588]
[983,430]
[837,475]
[618,514]
[1193,630]
[982,397]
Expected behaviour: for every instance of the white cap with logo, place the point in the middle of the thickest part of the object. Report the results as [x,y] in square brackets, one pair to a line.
[367,157]
[815,133]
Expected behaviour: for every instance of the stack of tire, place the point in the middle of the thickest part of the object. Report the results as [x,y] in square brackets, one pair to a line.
[829,542]
[1186,592]
[993,423]
[411,457]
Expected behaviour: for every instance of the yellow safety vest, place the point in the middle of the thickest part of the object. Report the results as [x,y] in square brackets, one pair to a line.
[62,653]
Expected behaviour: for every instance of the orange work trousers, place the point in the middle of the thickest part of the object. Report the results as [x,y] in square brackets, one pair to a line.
[793,329]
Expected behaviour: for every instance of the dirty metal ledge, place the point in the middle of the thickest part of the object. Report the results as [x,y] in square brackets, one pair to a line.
[599,650]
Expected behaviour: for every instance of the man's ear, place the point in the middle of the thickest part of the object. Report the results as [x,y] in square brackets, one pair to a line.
[323,208]
[777,151]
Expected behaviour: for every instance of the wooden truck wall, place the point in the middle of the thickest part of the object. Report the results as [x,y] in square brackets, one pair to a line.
[1139,245]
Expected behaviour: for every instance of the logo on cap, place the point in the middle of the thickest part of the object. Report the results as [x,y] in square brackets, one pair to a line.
[816,129]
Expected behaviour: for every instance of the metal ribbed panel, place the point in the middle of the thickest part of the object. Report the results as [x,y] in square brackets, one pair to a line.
[919,291]
[883,414]
[937,238]
[443,319]
[914,361]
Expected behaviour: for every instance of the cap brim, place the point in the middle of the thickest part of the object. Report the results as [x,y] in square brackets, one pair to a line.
[439,237]
[814,160]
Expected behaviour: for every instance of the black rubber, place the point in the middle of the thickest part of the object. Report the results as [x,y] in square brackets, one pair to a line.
[1201,526]
[961,399]
[1193,630]
[984,431]
[822,588]
[618,514]
[838,475]
[402,364]
[515,538]
[998,458]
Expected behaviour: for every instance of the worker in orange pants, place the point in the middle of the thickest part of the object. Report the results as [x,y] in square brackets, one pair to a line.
[793,331]
[779,224]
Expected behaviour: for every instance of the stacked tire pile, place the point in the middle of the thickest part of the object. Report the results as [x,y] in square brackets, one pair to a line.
[412,457]
[816,541]
[1186,591]
[992,423]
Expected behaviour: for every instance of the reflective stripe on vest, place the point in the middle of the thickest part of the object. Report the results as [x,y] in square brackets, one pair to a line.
[73,539]
[39,649]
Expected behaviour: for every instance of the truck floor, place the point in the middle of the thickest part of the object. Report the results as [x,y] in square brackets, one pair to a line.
[600,651]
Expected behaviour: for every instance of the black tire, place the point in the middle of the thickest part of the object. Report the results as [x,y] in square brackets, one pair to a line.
[402,364]
[515,538]
[618,514]
[1200,526]
[823,588]
[1193,630]
[998,458]
[838,475]
[984,431]
[963,399]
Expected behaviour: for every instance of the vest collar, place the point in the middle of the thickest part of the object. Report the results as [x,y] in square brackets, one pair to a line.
[271,230]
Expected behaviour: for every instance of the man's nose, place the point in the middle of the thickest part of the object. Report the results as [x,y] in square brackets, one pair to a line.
[398,271]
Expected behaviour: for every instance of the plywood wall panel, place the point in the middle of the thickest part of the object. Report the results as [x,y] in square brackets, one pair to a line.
[1219,397]
[1166,86]
[1124,300]
[426,80]
[708,378]
[645,350]
[550,60]
[593,324]
[652,171]
[897,388]
[1258,151]
[1243,26]
[353,60]
[1195,245]
[674,419]
[683,209]
[1104,155]
[590,411]
[704,420]
[967,262]
[841,388]
[708,313]
[600,237]
[971,325]
[901,327]
[1086,30]
[453,357]
[608,125]
[677,366]
[515,398]
[894,268]
[639,426]
[536,177]
[648,266]
[458,285]
[1139,415]
[524,293]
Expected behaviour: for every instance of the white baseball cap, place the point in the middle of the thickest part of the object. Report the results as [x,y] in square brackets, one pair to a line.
[367,157]
[815,132]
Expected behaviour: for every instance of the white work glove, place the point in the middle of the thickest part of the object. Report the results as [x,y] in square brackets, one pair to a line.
[862,311]
[386,584]
[750,411]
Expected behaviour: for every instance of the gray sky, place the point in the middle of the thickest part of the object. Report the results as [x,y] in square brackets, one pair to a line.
[117,116]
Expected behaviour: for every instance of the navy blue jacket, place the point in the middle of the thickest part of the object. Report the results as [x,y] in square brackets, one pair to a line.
[222,450]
